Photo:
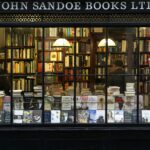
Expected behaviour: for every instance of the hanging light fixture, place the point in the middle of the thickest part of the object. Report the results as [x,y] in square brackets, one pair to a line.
[110,42]
[61,42]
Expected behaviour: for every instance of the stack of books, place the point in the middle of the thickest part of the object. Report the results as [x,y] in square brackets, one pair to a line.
[99,90]
[38,91]
[2,93]
[86,92]
[17,93]
[130,89]
[113,90]
[70,91]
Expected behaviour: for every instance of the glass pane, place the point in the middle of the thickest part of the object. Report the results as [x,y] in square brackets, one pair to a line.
[122,65]
[27,94]
[91,61]
[59,75]
[122,107]
[123,53]
[5,82]
[144,78]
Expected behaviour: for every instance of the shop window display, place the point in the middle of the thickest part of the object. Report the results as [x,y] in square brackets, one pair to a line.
[77,82]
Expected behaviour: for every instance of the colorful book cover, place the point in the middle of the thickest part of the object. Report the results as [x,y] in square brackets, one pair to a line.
[27,116]
[96,116]
[82,116]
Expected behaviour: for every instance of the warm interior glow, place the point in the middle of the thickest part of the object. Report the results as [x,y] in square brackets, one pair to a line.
[102,43]
[61,42]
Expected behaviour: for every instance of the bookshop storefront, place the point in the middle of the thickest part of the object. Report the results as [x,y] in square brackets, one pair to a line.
[79,66]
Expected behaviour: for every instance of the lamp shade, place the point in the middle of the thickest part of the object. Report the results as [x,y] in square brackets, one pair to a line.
[61,42]
[110,42]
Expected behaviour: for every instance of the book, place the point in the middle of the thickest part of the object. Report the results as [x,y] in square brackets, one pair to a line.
[17,116]
[1,116]
[27,116]
[119,102]
[92,102]
[47,116]
[82,116]
[84,103]
[67,103]
[128,116]
[145,116]
[59,67]
[111,102]
[67,116]
[119,116]
[37,116]
[48,101]
[96,116]
[7,117]
[55,116]
[57,103]
[110,116]
[101,102]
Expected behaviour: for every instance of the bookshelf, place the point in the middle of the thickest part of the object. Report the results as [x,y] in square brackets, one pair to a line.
[21,66]
[21,55]
[144,54]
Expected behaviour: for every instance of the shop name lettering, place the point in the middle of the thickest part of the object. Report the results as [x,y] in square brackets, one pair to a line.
[74,6]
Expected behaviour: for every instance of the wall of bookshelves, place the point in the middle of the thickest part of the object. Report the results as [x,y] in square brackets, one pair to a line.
[35,66]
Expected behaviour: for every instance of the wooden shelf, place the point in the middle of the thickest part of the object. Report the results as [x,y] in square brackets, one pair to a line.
[19,47]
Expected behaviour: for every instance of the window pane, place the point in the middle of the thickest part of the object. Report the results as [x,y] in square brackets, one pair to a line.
[59,75]
[144,78]
[122,107]
[91,61]
[27,94]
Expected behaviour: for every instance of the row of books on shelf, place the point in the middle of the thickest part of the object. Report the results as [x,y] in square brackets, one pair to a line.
[19,39]
[25,84]
[51,67]
[66,32]
[92,102]
[5,108]
[145,59]
[97,116]
[144,45]
[83,116]
[81,61]
[144,87]
[21,67]
[144,71]
[50,56]
[144,32]
[82,47]
[27,116]
[81,74]
[21,53]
